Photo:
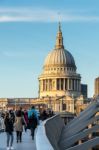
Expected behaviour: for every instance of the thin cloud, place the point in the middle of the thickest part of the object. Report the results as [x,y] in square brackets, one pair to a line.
[44,15]
[13,54]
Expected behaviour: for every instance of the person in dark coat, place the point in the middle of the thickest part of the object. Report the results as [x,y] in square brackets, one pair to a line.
[9,131]
[33,120]
[44,115]
[26,119]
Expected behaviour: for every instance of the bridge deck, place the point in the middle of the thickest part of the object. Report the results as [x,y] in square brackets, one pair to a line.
[27,142]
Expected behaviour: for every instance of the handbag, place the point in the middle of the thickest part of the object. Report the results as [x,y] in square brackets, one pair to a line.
[23,121]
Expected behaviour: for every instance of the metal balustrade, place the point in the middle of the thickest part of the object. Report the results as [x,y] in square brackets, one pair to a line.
[76,135]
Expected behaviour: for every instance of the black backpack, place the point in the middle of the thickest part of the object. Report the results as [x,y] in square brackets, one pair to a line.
[33,116]
[34,120]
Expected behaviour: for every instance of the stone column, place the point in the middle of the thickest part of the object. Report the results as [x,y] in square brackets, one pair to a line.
[48,85]
[41,85]
[74,85]
[64,84]
[71,84]
[45,84]
[77,84]
[55,84]
[59,84]
[67,84]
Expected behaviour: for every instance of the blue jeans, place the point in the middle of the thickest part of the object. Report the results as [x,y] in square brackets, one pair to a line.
[9,139]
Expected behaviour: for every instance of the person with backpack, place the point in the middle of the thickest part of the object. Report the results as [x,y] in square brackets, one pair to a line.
[33,120]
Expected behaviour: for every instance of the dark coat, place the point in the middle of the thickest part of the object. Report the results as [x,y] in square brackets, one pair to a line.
[32,121]
[8,125]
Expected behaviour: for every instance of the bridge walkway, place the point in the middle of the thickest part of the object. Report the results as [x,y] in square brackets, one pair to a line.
[26,144]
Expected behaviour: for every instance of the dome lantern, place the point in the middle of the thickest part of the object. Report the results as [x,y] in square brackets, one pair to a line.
[59,39]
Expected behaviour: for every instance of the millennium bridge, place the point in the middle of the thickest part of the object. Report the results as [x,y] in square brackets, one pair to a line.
[81,133]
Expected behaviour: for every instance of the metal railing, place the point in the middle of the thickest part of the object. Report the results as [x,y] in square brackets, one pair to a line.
[76,135]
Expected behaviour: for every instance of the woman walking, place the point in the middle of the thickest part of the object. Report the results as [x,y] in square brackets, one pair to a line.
[19,121]
[9,131]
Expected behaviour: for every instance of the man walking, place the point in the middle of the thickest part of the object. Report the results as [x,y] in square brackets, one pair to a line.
[33,120]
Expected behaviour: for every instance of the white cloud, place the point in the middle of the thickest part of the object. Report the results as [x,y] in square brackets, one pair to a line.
[6,18]
[44,15]
[14,54]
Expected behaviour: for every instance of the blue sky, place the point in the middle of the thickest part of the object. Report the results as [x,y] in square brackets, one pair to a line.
[28,32]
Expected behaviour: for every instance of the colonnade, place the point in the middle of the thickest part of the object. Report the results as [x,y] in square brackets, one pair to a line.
[60,84]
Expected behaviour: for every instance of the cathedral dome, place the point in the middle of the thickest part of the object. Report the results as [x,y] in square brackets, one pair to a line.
[59,56]
[59,76]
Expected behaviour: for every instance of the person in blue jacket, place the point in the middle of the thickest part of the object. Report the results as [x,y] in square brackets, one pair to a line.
[33,120]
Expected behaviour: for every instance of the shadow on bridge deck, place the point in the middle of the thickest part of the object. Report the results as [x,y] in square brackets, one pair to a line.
[26,144]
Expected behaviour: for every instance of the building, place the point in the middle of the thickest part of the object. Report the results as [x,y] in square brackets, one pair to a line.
[3,103]
[59,82]
[84,90]
[59,76]
[97,86]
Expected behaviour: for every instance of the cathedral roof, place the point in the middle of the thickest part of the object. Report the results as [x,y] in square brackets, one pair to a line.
[59,55]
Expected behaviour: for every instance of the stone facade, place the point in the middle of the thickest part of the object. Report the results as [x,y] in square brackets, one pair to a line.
[97,86]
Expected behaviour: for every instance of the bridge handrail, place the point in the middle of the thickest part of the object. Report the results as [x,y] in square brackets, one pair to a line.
[48,133]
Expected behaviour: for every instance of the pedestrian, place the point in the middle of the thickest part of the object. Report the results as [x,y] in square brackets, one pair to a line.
[12,115]
[19,122]
[9,130]
[33,120]
[26,119]
[44,115]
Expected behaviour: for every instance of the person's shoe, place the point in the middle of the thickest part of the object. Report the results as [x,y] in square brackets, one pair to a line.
[8,148]
[11,148]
